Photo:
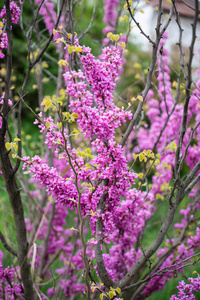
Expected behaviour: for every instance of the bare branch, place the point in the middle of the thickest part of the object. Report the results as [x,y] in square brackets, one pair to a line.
[90,25]
[149,75]
[187,92]
[6,246]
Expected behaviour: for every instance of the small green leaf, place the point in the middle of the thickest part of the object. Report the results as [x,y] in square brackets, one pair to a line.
[141,157]
[72,228]
[15,146]
[93,288]
[111,294]
[70,49]
[48,124]
[8,146]
[140,98]
[109,34]
[78,49]
[59,125]
[75,115]
[101,296]
[140,175]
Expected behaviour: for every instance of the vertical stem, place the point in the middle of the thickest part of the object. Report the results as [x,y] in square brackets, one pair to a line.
[9,178]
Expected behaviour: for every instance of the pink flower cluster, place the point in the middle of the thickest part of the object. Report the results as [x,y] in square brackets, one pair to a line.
[10,103]
[47,10]
[15,13]
[110,19]
[1,103]
[58,187]
[3,42]
[186,289]
[129,219]
[54,138]
[110,14]
[9,288]
[100,74]
[99,122]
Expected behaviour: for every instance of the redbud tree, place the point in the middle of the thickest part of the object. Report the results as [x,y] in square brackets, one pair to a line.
[108,208]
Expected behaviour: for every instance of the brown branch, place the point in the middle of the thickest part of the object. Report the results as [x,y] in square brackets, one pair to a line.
[186,4]
[81,219]
[45,240]
[161,260]
[159,34]
[191,175]
[157,242]
[188,78]
[105,277]
[9,179]
[165,270]
[89,26]
[138,25]
[6,246]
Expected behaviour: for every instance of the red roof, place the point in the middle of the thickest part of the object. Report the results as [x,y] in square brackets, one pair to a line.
[186,8]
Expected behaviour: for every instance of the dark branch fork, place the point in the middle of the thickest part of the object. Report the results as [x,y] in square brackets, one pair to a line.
[6,167]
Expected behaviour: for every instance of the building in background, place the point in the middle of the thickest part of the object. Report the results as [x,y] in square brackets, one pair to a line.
[148,21]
